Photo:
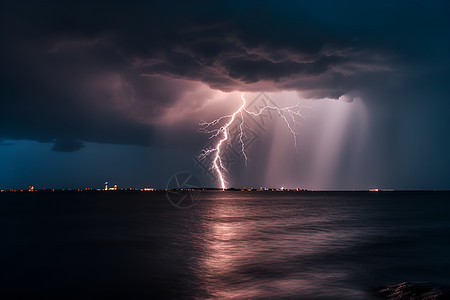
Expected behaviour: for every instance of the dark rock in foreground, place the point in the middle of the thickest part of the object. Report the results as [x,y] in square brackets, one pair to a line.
[415,291]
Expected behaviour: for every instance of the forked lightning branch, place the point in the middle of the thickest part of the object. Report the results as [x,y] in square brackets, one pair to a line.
[222,135]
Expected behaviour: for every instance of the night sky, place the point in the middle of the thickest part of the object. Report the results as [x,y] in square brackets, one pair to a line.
[111,91]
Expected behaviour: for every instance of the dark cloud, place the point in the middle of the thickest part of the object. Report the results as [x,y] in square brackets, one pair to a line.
[67,145]
[83,69]
[6,143]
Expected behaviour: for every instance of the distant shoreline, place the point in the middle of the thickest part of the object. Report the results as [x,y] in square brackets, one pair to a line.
[90,190]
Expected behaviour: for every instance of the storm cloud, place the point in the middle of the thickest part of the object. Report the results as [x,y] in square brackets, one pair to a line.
[90,71]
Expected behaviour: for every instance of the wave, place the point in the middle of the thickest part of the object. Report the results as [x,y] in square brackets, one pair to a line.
[415,291]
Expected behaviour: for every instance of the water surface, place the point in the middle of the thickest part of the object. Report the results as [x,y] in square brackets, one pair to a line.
[245,245]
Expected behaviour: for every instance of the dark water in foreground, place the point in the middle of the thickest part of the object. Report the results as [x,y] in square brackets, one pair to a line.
[230,245]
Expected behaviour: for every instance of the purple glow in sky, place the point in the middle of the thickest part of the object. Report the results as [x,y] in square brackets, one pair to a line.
[120,88]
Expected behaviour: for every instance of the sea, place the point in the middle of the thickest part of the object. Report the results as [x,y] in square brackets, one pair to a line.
[226,245]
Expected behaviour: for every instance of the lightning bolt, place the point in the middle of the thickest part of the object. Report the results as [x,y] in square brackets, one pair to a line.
[223,132]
